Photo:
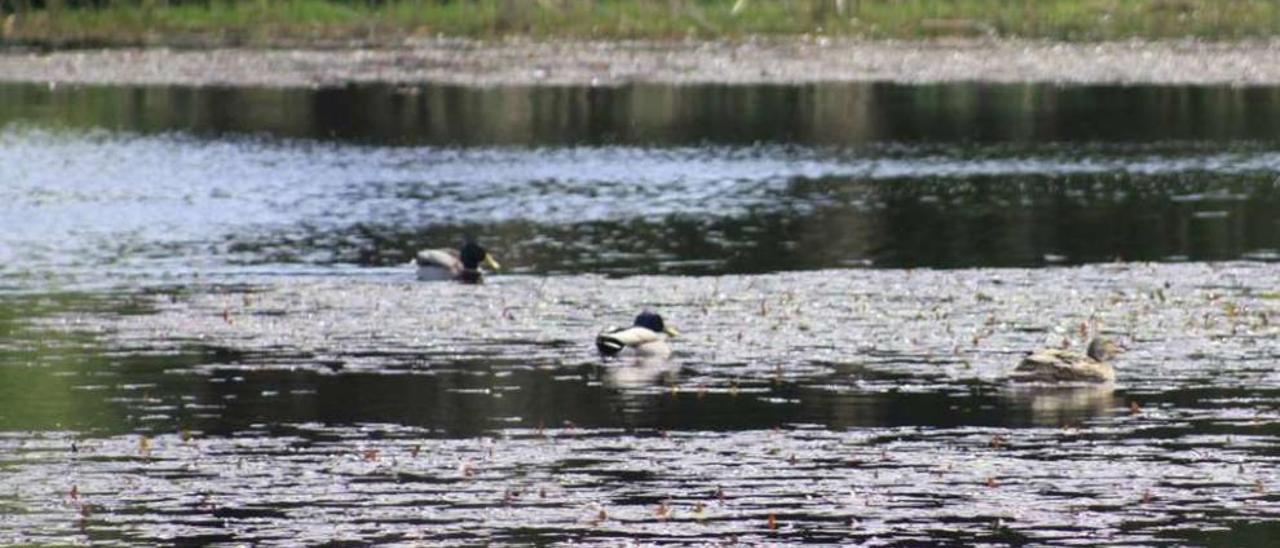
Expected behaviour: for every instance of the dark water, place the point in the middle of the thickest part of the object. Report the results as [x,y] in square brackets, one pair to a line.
[702,180]
[208,333]
[819,115]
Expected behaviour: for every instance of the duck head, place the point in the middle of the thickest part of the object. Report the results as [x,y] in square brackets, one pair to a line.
[471,255]
[653,322]
[1103,350]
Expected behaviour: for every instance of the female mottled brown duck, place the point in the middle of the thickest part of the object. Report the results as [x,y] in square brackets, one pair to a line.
[1056,365]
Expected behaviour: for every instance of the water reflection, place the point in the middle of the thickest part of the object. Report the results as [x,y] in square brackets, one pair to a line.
[833,222]
[848,405]
[853,404]
[1059,406]
[638,373]
[656,180]
[845,114]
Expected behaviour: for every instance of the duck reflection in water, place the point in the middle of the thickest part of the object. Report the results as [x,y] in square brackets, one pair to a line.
[641,372]
[1050,405]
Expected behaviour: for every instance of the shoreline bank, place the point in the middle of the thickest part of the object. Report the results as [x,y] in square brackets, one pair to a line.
[611,63]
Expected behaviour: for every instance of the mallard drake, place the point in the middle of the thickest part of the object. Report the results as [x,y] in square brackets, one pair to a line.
[1056,365]
[646,338]
[462,264]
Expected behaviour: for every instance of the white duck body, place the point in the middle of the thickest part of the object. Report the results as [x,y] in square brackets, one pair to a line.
[438,265]
[635,341]
[462,264]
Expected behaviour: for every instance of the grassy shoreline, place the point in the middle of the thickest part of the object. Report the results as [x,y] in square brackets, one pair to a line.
[393,22]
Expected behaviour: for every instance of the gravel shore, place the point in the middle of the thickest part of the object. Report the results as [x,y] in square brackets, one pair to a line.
[521,62]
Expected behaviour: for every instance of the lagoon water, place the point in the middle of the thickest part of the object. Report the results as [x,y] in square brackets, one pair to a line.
[210,333]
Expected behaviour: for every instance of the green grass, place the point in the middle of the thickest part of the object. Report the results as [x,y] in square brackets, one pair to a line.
[268,22]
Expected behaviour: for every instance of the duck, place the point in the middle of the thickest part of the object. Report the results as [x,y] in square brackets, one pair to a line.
[1057,365]
[462,264]
[646,338]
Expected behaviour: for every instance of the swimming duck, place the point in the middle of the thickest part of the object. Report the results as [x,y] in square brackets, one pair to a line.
[1056,365]
[646,338]
[462,264]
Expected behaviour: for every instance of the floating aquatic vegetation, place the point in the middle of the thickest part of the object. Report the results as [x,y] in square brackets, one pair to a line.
[881,420]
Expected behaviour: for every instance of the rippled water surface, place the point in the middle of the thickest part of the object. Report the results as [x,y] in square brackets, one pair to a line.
[209,335]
